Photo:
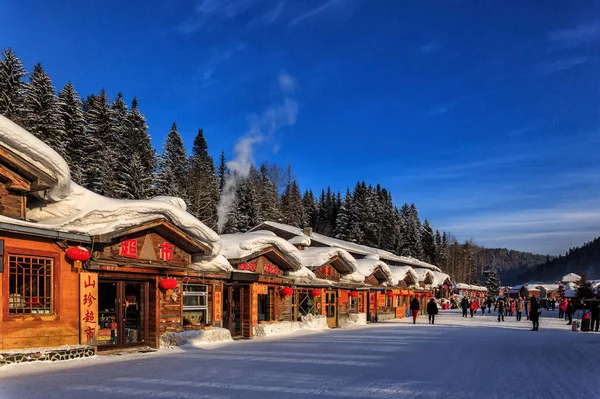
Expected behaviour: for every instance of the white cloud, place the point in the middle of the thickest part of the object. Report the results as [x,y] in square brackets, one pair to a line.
[552,67]
[327,6]
[581,35]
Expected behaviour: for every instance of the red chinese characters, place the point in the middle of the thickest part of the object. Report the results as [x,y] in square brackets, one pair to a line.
[129,248]
[271,269]
[89,282]
[166,251]
[251,266]
[327,271]
[88,299]
[89,317]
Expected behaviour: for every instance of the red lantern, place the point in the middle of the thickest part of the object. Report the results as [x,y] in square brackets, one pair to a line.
[390,294]
[418,295]
[78,253]
[167,283]
[315,293]
[287,291]
[353,294]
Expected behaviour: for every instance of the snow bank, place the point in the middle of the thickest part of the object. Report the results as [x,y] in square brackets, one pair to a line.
[37,153]
[354,319]
[319,256]
[195,338]
[309,322]
[216,264]
[85,212]
[246,245]
[367,266]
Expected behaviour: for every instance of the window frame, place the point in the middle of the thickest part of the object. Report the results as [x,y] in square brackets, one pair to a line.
[57,263]
[194,294]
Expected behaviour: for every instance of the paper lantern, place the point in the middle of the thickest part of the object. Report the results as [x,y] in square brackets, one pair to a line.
[418,295]
[400,293]
[315,292]
[78,253]
[287,291]
[390,294]
[353,294]
[167,283]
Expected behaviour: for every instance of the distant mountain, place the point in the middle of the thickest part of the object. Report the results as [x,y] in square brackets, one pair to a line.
[580,260]
[508,259]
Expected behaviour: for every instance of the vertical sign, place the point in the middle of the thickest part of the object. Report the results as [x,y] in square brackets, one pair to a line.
[254,304]
[88,307]
[217,304]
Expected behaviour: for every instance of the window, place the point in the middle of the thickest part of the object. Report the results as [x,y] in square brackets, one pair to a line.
[389,301]
[30,285]
[398,301]
[195,304]
[264,306]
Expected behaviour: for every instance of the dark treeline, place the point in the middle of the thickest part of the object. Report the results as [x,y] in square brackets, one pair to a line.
[109,151]
[584,260]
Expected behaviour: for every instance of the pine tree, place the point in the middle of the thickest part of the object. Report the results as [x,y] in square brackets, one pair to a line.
[244,213]
[428,243]
[137,141]
[492,283]
[73,120]
[292,207]
[311,209]
[203,190]
[584,290]
[266,195]
[122,179]
[344,218]
[12,86]
[438,248]
[172,176]
[101,147]
[42,111]
[222,171]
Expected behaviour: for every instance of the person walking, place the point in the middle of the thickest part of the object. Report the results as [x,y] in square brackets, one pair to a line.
[482,307]
[415,306]
[553,304]
[464,304]
[534,313]
[569,312]
[519,308]
[432,310]
[562,309]
[490,302]
[474,306]
[528,308]
[501,308]
[595,316]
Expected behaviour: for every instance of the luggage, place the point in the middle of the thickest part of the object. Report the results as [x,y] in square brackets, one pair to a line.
[586,322]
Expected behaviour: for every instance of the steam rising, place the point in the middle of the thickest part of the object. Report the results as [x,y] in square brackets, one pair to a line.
[261,127]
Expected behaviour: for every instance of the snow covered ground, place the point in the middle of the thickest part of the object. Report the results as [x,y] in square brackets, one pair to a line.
[456,358]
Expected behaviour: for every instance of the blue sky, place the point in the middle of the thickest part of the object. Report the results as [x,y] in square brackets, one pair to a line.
[484,114]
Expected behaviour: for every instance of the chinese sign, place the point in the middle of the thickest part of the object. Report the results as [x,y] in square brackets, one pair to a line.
[129,249]
[250,266]
[218,306]
[271,269]
[88,307]
[166,251]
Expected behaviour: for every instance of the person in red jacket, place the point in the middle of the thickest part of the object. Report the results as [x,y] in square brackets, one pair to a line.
[474,307]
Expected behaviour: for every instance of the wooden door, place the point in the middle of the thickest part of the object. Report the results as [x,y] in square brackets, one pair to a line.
[331,308]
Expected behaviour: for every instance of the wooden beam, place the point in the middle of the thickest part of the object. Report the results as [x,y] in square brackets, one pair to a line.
[14,181]
[39,179]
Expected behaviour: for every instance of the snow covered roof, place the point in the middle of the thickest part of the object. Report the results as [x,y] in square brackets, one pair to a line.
[300,240]
[463,286]
[571,277]
[240,247]
[405,273]
[424,275]
[548,287]
[343,262]
[305,277]
[353,248]
[217,264]
[354,278]
[370,266]
[440,279]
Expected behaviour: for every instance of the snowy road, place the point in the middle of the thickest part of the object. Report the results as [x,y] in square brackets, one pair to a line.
[456,358]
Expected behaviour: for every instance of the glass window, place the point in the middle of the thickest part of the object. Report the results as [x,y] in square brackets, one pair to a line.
[264,307]
[195,304]
[389,302]
[30,285]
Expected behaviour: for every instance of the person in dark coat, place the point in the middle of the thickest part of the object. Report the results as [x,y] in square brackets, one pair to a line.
[432,310]
[415,306]
[501,309]
[464,304]
[489,303]
[569,312]
[534,314]
[595,317]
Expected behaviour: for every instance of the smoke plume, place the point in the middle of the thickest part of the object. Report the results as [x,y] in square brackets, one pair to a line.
[261,127]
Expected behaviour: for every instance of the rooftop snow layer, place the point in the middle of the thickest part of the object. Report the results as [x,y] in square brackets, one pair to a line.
[300,240]
[369,266]
[319,256]
[400,273]
[217,264]
[571,277]
[463,286]
[244,245]
[440,279]
[349,246]
[425,275]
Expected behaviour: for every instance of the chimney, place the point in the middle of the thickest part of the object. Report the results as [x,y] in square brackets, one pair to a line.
[307,231]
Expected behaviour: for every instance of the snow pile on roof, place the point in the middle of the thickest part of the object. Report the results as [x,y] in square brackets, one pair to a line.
[217,264]
[350,246]
[439,279]
[355,278]
[245,245]
[319,256]
[571,277]
[424,275]
[37,153]
[402,273]
[83,211]
[463,286]
[368,266]
[300,240]
[548,287]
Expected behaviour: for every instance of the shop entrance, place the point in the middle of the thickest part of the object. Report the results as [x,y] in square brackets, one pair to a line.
[331,308]
[233,308]
[372,306]
[122,313]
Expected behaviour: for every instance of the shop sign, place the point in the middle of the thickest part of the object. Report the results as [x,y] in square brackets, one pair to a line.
[218,304]
[88,307]
[129,249]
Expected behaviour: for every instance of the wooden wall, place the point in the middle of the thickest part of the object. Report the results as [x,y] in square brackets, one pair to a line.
[29,331]
[12,203]
[171,309]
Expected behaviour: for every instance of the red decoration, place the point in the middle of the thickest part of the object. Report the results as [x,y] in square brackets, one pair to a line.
[418,295]
[271,269]
[315,292]
[353,294]
[167,283]
[166,251]
[390,294]
[78,253]
[129,248]
[251,267]
[287,291]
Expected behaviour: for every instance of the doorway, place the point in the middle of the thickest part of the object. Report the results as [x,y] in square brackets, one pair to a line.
[233,309]
[331,308]
[122,313]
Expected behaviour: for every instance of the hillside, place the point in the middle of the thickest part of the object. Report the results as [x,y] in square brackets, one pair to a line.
[508,259]
[584,259]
